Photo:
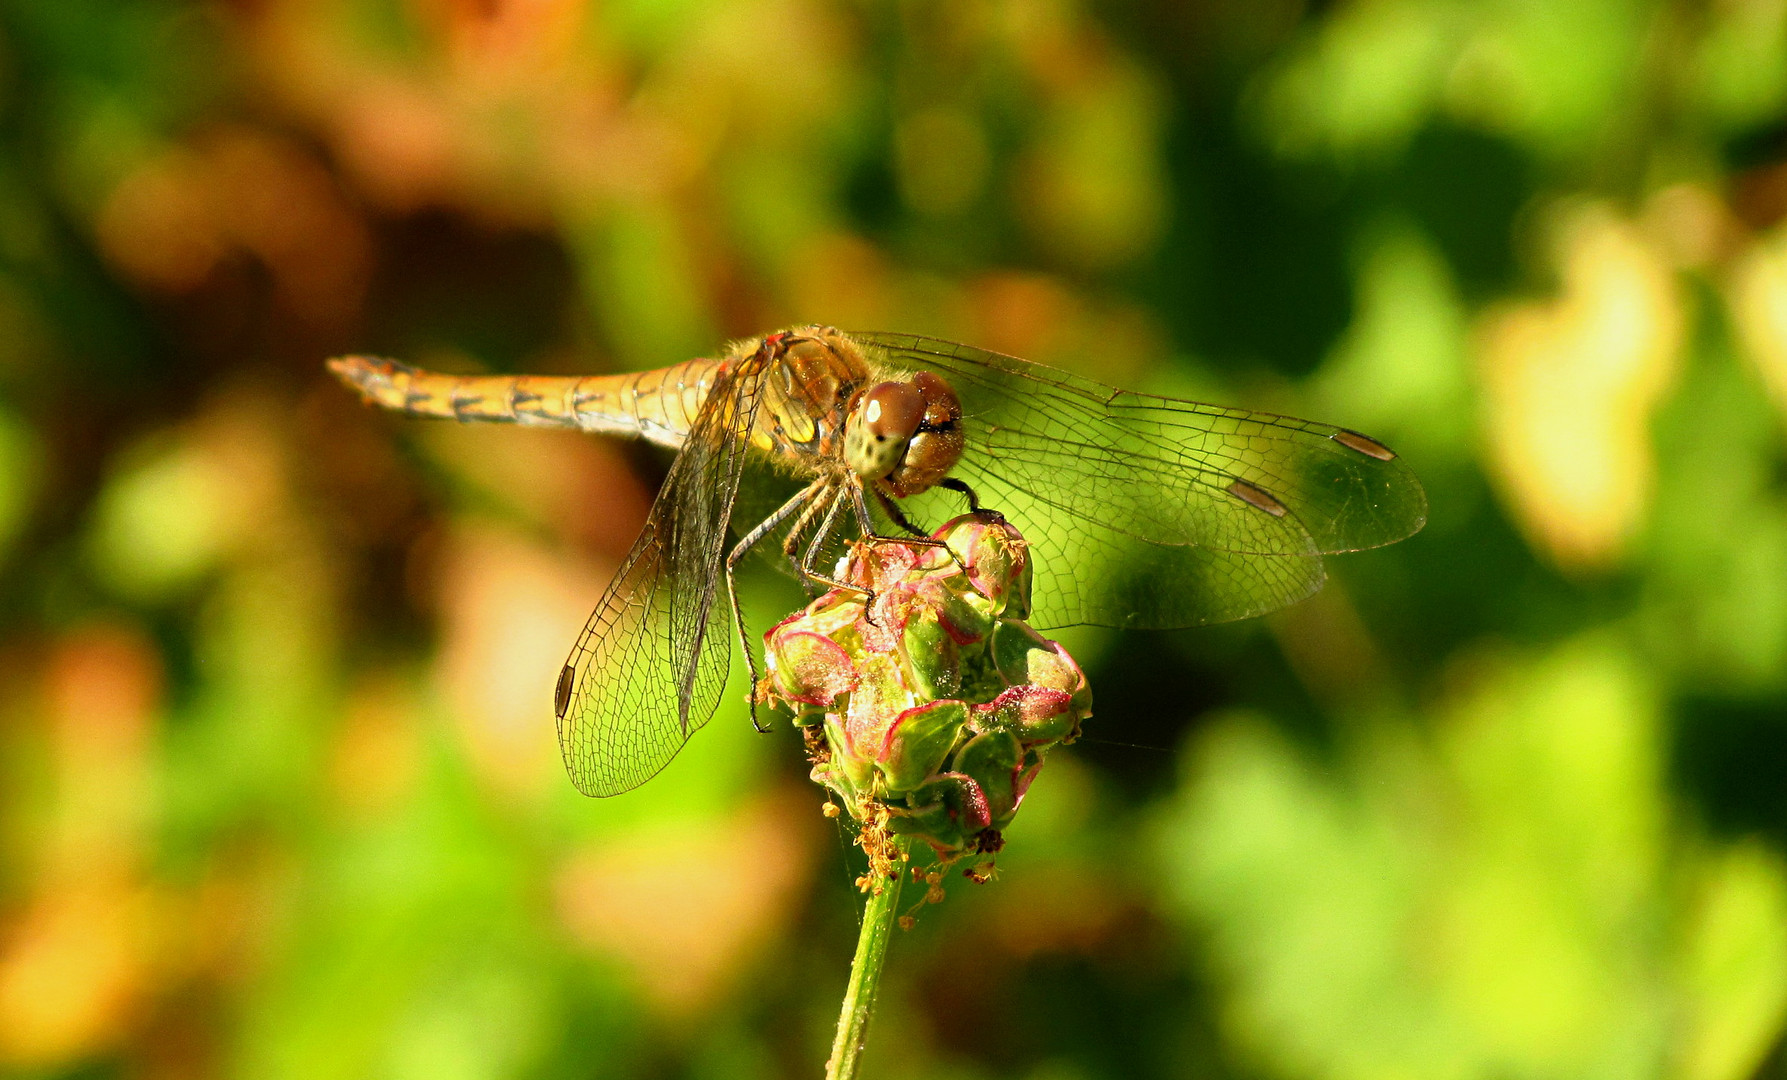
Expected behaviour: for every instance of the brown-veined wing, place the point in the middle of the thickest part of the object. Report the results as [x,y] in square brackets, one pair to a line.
[1146,511]
[650,665]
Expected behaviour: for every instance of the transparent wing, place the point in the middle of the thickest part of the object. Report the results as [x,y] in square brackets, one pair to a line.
[651,663]
[1146,511]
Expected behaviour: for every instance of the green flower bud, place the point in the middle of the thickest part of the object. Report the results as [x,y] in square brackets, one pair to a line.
[1025,657]
[810,668]
[1034,714]
[931,654]
[930,704]
[993,758]
[949,812]
[996,558]
[918,743]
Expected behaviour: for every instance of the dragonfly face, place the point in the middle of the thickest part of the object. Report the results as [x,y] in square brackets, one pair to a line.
[906,434]
[901,434]
[1140,511]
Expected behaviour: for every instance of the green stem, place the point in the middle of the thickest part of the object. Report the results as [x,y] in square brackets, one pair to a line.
[879,914]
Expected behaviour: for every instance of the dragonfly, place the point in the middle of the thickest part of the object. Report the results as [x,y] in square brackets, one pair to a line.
[1141,511]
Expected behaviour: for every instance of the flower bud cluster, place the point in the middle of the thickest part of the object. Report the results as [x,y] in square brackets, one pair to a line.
[928,702]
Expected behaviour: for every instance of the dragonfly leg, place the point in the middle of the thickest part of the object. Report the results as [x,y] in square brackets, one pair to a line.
[812,553]
[804,498]
[822,503]
[867,524]
[898,516]
[744,635]
[974,506]
[921,538]
[869,536]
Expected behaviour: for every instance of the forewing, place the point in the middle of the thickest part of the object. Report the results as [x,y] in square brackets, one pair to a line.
[651,664]
[1146,511]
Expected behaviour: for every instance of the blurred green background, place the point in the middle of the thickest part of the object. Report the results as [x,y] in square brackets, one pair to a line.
[279,795]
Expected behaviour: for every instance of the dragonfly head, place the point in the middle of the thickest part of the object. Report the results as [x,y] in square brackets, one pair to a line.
[906,433]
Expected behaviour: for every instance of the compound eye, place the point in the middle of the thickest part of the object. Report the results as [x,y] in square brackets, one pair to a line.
[892,411]
[942,409]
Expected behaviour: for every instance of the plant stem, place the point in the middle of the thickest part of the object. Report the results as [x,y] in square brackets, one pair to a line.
[879,914]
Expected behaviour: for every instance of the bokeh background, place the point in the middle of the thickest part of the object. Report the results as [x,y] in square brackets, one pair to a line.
[278,789]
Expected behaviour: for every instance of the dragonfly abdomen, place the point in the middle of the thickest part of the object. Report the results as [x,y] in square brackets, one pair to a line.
[655,405]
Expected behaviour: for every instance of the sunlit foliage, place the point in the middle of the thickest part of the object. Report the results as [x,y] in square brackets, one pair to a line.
[279,794]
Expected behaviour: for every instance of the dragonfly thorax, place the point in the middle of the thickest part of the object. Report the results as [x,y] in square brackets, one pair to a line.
[905,433]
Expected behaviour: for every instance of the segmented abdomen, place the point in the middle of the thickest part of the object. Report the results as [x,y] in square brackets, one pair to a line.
[659,405]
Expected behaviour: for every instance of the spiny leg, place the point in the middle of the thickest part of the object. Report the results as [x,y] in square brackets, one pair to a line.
[898,516]
[974,506]
[867,528]
[823,503]
[819,538]
[738,552]
[867,525]
[923,539]
[801,499]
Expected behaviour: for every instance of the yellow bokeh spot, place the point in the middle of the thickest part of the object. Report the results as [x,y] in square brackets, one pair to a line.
[1758,296]
[1569,386]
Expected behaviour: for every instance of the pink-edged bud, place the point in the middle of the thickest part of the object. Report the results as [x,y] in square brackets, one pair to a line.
[1026,658]
[918,743]
[1034,714]
[996,560]
[930,703]
[809,668]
